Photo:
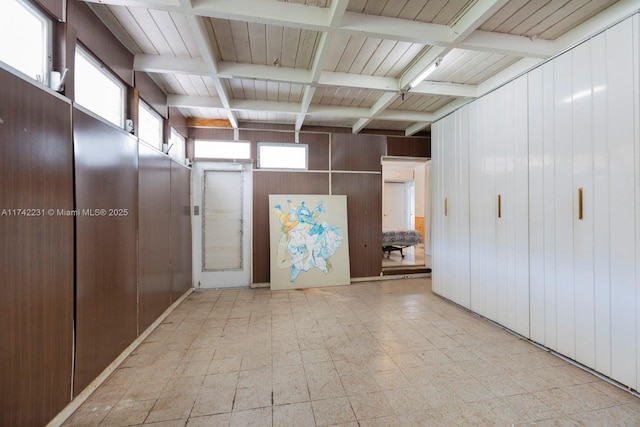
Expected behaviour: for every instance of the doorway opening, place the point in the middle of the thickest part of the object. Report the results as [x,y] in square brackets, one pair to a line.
[406,204]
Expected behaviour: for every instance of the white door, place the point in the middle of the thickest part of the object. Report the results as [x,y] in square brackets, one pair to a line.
[396,205]
[221,224]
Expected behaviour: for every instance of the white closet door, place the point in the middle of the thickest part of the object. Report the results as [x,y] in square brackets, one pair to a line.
[498,159]
[622,117]
[536,207]
[564,204]
[499,131]
[437,208]
[480,229]
[601,207]
[460,260]
[515,207]
[451,208]
[584,178]
[583,196]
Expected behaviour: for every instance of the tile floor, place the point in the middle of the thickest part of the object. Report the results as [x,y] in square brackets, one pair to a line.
[386,353]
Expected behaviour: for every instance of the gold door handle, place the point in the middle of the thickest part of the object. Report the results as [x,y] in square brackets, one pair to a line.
[580,198]
[499,206]
[446,206]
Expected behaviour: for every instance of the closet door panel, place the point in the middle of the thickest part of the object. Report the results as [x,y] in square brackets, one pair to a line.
[583,219]
[461,209]
[536,207]
[601,207]
[452,206]
[620,119]
[437,214]
[564,203]
[518,211]
[477,220]
[549,206]
[499,131]
[636,108]
[448,200]
[488,207]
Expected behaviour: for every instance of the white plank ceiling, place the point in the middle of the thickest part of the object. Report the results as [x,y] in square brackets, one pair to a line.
[347,63]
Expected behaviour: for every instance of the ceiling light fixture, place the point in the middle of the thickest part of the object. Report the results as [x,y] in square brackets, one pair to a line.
[425,73]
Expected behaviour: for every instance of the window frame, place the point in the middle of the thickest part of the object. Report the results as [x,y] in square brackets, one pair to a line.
[149,109]
[106,71]
[182,155]
[47,54]
[245,143]
[286,145]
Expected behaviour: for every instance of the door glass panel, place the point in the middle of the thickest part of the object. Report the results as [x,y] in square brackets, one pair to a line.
[222,221]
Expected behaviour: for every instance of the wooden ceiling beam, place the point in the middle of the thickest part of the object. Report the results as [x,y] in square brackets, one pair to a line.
[194,122]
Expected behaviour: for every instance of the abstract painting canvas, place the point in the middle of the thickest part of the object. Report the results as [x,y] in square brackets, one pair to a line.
[309,241]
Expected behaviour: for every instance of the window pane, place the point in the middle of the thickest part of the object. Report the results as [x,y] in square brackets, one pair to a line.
[222,149]
[177,146]
[282,156]
[97,90]
[150,126]
[24,24]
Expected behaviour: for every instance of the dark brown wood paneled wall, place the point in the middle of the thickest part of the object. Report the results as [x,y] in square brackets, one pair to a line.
[364,212]
[181,267]
[408,146]
[357,152]
[361,153]
[36,254]
[265,183]
[154,225]
[356,172]
[151,93]
[216,134]
[106,166]
[177,120]
[99,40]
[54,7]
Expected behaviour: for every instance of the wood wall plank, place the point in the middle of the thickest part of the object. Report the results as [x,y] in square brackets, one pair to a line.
[36,254]
[106,166]
[410,147]
[357,152]
[364,211]
[54,7]
[154,254]
[151,93]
